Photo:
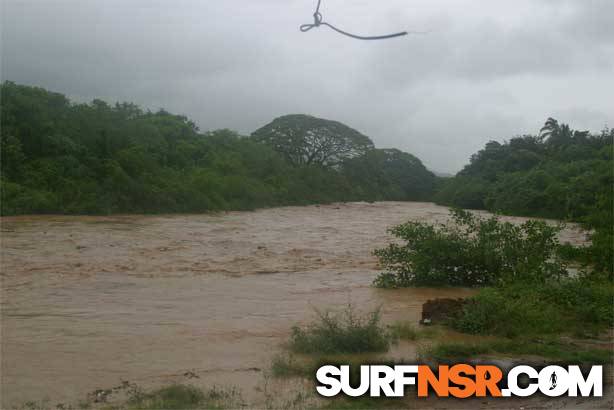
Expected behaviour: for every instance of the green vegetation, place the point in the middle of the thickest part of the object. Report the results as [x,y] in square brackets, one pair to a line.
[367,403]
[96,158]
[345,332]
[558,174]
[526,289]
[383,174]
[306,140]
[403,331]
[580,307]
[554,350]
[470,251]
[561,173]
[170,397]
[183,397]
[287,365]
[527,293]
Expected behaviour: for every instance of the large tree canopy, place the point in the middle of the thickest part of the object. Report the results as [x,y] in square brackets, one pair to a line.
[307,140]
[392,174]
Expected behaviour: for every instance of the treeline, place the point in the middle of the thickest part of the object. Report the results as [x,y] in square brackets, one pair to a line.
[96,158]
[561,173]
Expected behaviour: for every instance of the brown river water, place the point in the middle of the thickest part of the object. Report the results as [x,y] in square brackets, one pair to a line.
[90,301]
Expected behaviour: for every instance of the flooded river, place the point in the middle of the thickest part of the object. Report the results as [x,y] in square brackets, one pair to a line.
[90,301]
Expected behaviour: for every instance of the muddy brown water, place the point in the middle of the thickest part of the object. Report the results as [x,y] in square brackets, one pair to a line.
[90,301]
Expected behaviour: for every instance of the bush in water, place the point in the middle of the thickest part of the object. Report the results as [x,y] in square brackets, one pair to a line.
[470,251]
[344,332]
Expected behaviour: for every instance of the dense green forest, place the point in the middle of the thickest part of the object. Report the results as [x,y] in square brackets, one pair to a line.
[561,173]
[96,158]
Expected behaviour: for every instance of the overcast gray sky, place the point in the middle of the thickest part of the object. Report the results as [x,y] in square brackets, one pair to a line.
[486,69]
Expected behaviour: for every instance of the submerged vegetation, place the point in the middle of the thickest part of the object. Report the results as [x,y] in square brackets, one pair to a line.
[470,251]
[183,397]
[341,332]
[175,396]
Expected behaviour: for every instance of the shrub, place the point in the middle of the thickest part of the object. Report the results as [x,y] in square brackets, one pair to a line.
[470,251]
[388,280]
[344,332]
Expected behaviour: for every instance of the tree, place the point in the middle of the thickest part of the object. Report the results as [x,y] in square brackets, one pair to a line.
[307,140]
[555,133]
[390,174]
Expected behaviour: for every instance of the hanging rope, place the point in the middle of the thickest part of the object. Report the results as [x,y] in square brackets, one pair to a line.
[317,22]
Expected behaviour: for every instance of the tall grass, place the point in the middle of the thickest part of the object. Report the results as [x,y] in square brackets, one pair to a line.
[184,397]
[342,332]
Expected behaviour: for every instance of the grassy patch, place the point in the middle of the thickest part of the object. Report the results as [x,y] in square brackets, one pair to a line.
[183,397]
[403,330]
[287,365]
[561,352]
[576,306]
[344,332]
